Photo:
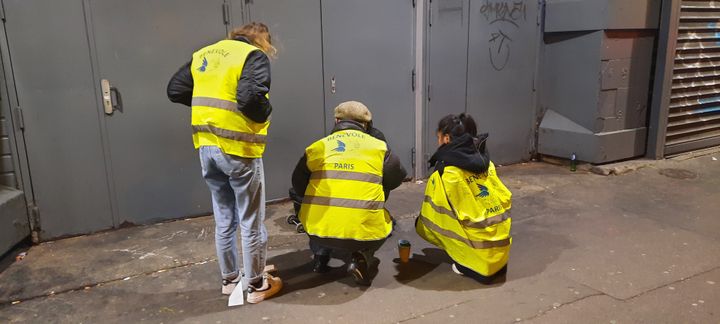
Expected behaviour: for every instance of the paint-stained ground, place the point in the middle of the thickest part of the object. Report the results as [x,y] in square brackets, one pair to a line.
[639,247]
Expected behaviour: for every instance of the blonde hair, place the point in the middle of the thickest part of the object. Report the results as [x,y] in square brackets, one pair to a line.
[258,34]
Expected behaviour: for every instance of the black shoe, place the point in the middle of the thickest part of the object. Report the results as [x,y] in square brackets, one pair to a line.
[320,263]
[358,268]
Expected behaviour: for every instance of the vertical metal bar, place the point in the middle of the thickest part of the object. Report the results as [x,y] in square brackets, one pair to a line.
[659,107]
[420,90]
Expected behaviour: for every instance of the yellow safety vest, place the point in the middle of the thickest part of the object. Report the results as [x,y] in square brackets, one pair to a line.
[345,197]
[466,214]
[216,120]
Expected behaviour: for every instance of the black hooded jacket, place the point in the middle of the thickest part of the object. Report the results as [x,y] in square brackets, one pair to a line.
[252,87]
[393,171]
[465,152]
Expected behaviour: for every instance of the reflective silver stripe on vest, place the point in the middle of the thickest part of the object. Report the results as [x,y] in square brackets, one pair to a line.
[439,209]
[215,103]
[490,221]
[346,175]
[473,244]
[497,219]
[232,135]
[342,202]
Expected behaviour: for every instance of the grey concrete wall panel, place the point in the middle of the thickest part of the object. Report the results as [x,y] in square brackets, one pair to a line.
[571,75]
[560,136]
[633,14]
[297,85]
[574,15]
[621,45]
[13,217]
[579,15]
[599,80]
[49,50]
[502,66]
[448,63]
[608,103]
[625,73]
[615,74]
[368,51]
[139,45]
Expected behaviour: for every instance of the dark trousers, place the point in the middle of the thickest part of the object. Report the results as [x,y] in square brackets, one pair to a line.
[344,248]
[326,246]
[480,278]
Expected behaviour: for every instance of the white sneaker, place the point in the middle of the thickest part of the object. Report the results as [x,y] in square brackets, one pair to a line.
[455,269]
[229,285]
[270,286]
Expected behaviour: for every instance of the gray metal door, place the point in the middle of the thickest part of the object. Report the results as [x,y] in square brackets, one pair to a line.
[55,92]
[448,61]
[482,60]
[139,45]
[503,48]
[296,93]
[368,56]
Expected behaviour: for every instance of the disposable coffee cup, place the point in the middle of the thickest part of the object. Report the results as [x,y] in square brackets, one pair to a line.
[404,250]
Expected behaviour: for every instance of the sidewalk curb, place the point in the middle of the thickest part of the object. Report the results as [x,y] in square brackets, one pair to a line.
[624,167]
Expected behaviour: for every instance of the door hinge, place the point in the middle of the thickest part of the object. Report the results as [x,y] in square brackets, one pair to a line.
[430,15]
[414,3]
[413,81]
[34,220]
[412,157]
[539,14]
[19,118]
[2,11]
[429,92]
[226,13]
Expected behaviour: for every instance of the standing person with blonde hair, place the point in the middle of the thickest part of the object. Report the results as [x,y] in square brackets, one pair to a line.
[227,85]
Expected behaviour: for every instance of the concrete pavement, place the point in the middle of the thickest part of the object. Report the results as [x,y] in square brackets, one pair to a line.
[639,247]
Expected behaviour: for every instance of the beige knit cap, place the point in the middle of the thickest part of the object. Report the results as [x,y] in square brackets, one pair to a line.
[353,110]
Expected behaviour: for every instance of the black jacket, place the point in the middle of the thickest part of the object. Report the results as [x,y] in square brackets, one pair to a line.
[393,171]
[252,87]
[465,152]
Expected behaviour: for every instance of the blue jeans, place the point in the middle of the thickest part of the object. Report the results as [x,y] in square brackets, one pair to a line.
[238,195]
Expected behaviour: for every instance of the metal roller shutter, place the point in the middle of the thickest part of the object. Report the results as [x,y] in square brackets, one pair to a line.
[694,112]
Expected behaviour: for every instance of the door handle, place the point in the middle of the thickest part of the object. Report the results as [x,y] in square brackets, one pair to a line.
[111,98]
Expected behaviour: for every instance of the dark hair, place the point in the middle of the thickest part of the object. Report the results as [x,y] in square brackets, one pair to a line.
[456,125]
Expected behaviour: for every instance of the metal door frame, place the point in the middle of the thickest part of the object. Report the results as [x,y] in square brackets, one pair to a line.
[421,83]
[15,130]
[664,63]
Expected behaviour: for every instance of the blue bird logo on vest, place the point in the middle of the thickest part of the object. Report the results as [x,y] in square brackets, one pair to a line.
[340,148]
[204,65]
[483,191]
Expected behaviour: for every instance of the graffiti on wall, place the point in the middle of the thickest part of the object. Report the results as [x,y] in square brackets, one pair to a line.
[504,17]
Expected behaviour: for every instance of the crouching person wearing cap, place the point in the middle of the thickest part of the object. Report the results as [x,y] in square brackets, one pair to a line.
[344,178]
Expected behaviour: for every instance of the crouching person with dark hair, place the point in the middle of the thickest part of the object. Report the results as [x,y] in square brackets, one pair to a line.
[341,182]
[466,207]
